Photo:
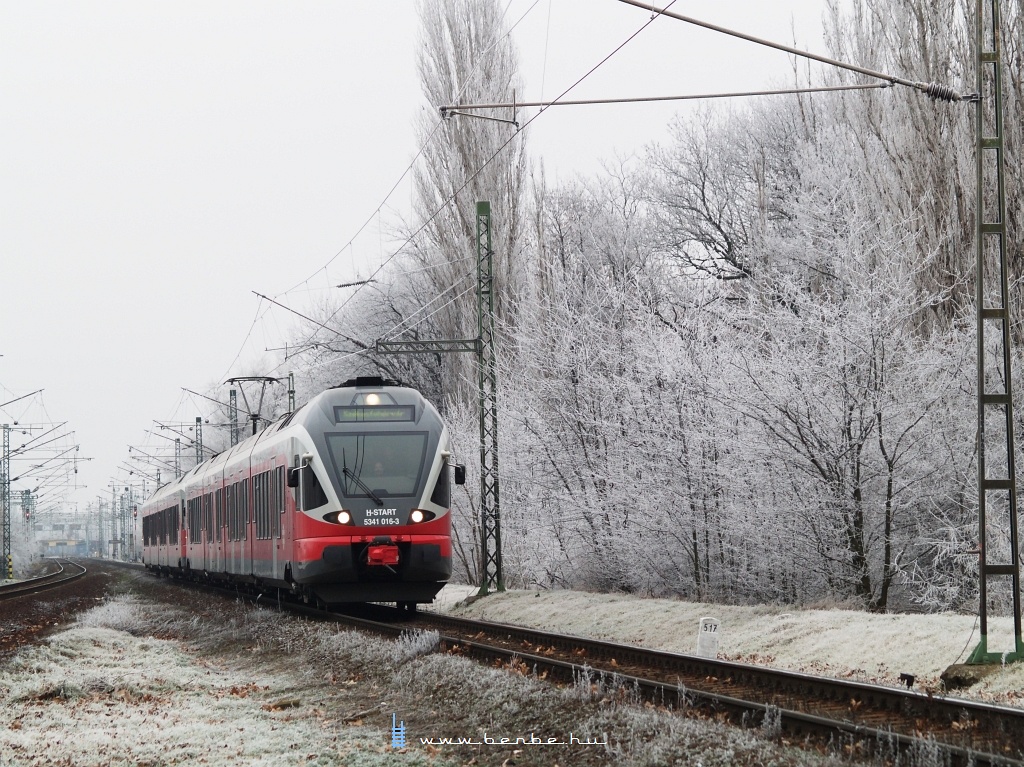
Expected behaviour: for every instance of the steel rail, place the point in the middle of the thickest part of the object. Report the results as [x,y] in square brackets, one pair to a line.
[42,582]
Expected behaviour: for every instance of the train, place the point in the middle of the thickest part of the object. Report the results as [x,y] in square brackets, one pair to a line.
[346,499]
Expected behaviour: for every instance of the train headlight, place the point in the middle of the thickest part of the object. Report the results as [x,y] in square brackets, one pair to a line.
[416,516]
[372,399]
[342,517]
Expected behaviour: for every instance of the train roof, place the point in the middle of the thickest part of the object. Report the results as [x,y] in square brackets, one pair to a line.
[312,411]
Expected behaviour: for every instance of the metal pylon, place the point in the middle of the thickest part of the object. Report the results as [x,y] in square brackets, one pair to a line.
[5,501]
[199,440]
[998,548]
[491,577]
[490,507]
[233,415]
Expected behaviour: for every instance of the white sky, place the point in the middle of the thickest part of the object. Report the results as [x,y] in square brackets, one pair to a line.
[161,161]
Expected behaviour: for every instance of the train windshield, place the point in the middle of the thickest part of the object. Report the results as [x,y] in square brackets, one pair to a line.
[378,464]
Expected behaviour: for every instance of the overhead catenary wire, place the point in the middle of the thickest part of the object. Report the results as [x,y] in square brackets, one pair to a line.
[406,322]
[933,90]
[387,197]
[368,349]
[216,402]
[29,472]
[18,399]
[394,330]
[484,165]
[415,159]
[165,461]
[307,318]
[25,448]
[444,204]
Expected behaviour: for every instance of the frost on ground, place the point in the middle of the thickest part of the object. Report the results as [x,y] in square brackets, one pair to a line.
[135,682]
[110,692]
[841,643]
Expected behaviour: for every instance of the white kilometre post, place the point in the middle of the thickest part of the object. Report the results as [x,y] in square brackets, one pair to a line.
[707,638]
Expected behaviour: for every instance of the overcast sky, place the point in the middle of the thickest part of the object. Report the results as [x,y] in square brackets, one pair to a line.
[162,161]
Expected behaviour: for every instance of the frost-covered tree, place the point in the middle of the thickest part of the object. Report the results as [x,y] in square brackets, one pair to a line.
[428,291]
[466,56]
[723,186]
[738,370]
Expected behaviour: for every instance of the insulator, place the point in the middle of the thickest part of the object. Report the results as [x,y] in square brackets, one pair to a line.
[938,92]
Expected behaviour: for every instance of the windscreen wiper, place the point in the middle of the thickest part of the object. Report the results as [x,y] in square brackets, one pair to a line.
[362,485]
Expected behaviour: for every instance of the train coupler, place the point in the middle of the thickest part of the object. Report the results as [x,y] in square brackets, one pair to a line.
[382,552]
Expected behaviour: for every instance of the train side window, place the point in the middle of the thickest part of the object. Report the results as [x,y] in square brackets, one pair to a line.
[442,494]
[313,495]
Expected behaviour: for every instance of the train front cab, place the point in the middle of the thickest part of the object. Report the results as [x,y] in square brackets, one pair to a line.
[348,555]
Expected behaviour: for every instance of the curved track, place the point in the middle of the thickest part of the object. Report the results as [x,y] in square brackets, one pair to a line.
[67,572]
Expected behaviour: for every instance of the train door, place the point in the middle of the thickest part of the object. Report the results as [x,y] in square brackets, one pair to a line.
[277,517]
[260,544]
[235,528]
[181,533]
[217,534]
[247,527]
[193,533]
[291,504]
[236,498]
[230,523]
[207,512]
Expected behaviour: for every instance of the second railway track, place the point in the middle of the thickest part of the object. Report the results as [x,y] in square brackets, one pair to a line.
[67,572]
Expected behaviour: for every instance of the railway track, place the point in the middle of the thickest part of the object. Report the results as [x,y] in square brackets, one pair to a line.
[67,572]
[31,609]
[868,720]
[856,718]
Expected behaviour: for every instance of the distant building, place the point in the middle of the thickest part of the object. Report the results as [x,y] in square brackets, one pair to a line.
[62,534]
[94,532]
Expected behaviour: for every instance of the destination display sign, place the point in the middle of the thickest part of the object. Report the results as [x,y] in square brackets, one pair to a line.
[378,413]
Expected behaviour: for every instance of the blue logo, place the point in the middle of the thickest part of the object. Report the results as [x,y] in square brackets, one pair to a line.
[397,732]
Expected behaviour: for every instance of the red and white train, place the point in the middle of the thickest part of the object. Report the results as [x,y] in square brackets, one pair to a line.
[347,499]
